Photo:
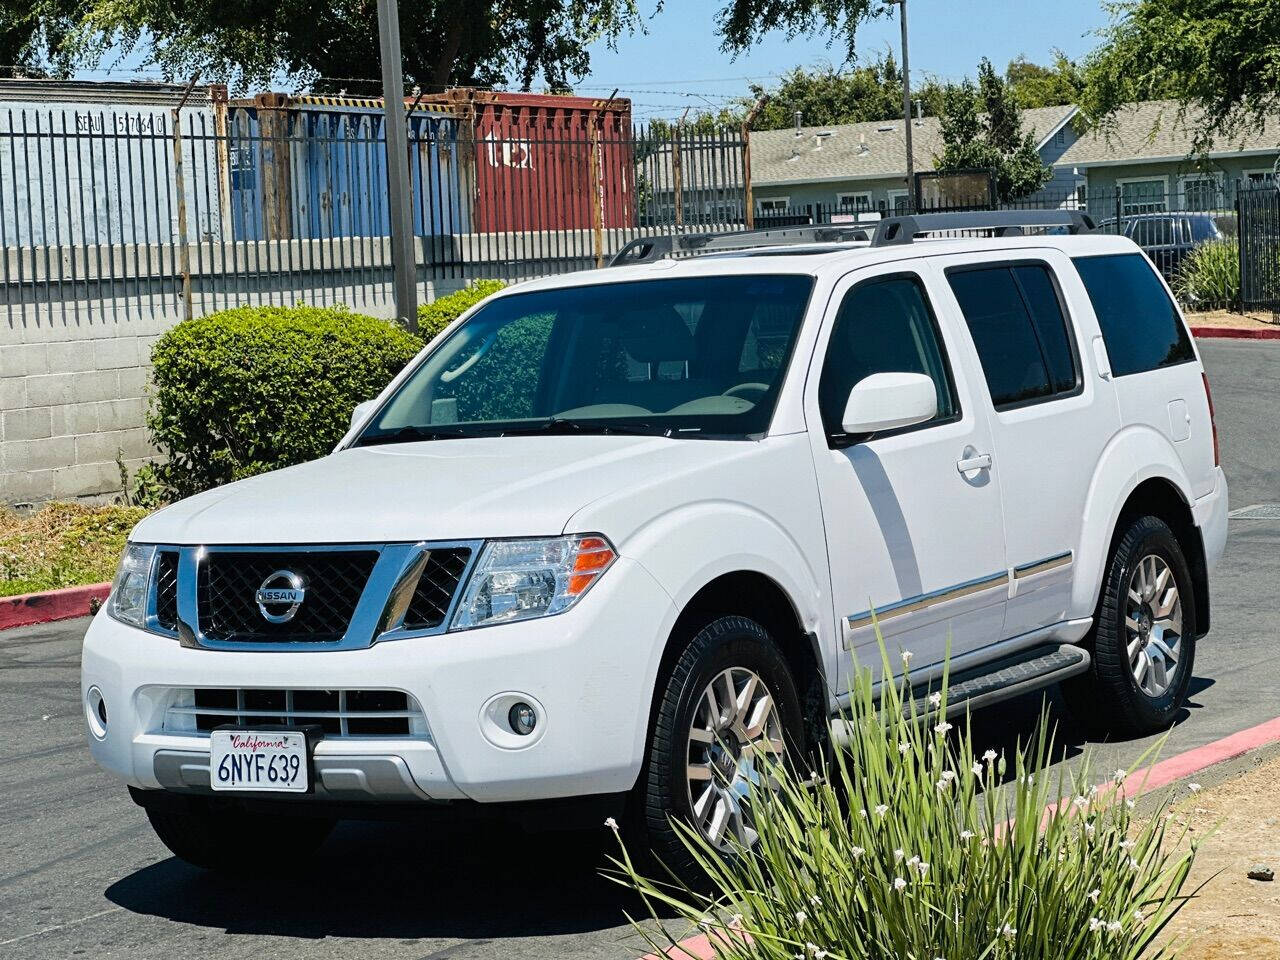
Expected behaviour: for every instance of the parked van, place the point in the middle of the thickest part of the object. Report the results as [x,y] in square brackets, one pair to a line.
[615,536]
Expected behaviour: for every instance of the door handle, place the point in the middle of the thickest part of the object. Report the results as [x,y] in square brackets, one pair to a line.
[981,461]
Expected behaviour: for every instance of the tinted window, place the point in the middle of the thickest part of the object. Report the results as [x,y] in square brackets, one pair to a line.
[1140,324]
[1016,321]
[884,326]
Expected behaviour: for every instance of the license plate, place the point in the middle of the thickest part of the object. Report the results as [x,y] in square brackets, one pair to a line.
[267,761]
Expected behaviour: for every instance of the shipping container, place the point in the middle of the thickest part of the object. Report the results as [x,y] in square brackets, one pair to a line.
[84,162]
[307,167]
[546,162]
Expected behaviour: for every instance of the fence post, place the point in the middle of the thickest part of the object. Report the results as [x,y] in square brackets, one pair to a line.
[747,198]
[597,191]
[273,128]
[1240,247]
[222,147]
[179,182]
[677,177]
[1119,209]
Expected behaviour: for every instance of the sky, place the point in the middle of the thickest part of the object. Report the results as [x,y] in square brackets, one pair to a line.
[678,62]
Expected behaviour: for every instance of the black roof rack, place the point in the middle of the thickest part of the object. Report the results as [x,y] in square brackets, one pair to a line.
[1001,223]
[649,249]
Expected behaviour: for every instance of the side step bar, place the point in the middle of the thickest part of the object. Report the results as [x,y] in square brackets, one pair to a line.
[1003,679]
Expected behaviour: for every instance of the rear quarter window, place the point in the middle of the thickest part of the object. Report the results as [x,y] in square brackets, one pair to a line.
[1140,324]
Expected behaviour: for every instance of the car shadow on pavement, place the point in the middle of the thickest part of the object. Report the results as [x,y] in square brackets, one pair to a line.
[401,880]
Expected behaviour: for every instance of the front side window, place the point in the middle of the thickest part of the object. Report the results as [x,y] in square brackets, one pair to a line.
[1140,324]
[1153,232]
[1143,196]
[1015,318]
[884,326]
[697,356]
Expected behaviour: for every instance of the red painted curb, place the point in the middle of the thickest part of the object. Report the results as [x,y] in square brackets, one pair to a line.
[1234,333]
[1146,780]
[30,608]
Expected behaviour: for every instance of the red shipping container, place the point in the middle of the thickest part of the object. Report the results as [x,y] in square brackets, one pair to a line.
[537,157]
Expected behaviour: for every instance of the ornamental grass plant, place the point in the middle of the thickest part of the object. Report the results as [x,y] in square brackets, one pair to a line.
[906,845]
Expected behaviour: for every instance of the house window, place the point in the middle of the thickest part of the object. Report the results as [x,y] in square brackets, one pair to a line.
[773,204]
[1060,138]
[1144,196]
[898,202]
[859,201]
[1257,178]
[1200,192]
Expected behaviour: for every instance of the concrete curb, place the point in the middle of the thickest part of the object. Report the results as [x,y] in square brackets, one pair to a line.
[32,608]
[1234,333]
[1228,756]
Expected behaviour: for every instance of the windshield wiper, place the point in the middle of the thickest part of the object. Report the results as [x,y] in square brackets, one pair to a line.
[409,435]
[564,426]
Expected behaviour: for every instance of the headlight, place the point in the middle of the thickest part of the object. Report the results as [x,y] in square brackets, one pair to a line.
[128,602]
[522,579]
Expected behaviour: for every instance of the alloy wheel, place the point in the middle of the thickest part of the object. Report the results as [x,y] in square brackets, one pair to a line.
[1153,625]
[734,724]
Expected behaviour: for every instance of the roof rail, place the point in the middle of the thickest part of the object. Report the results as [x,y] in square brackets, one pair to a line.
[649,249]
[1001,223]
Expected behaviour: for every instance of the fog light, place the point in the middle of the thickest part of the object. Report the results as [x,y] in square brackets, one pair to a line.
[96,712]
[522,718]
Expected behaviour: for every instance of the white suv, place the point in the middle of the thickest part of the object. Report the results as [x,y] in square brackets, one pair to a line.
[613,535]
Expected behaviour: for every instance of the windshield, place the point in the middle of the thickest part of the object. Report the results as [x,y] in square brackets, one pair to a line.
[697,356]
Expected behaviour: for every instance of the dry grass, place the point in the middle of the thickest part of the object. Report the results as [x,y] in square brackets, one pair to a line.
[1254,320]
[61,545]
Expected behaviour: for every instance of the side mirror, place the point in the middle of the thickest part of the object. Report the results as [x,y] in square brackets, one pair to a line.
[887,401]
[361,410]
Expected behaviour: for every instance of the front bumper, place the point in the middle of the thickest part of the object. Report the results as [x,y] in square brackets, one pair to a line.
[590,673]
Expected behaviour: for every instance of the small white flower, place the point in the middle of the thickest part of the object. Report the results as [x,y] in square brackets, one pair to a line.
[816,901]
[904,748]
[736,920]
[924,869]
[612,824]
[1129,804]
[1134,865]
[1194,787]
[942,727]
[943,784]
[1008,932]
[989,756]
[977,768]
[966,834]
[1120,775]
[857,851]
[935,699]
[882,809]
[899,884]
[906,657]
[1139,916]
[801,917]
[1094,895]
[1088,829]
[898,855]
[1096,924]
[1029,779]
[1127,844]
[1115,926]
[863,813]
[818,952]
[1081,801]
[913,863]
[948,775]
[706,923]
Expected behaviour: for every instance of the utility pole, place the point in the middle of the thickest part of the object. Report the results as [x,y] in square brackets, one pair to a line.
[404,264]
[906,106]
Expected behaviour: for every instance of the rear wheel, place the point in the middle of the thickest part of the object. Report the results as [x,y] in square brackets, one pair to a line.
[1144,636]
[209,836]
[728,705]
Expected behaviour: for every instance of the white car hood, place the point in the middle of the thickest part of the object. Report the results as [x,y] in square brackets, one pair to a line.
[435,490]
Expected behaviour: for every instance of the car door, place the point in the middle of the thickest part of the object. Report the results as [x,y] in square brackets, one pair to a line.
[1051,418]
[912,516]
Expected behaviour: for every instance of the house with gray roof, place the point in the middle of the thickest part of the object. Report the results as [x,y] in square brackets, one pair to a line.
[1147,158]
[863,165]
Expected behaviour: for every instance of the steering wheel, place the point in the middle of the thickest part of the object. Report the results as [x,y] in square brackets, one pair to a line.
[748,391]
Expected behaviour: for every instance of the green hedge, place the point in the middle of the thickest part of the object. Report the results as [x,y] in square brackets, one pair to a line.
[244,391]
[435,316]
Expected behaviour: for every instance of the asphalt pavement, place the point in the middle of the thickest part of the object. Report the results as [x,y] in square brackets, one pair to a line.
[82,874]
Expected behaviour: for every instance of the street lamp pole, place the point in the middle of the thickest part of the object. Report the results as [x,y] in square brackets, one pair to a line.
[404,264]
[906,106]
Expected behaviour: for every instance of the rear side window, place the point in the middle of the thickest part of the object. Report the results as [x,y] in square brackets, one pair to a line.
[1140,324]
[1015,318]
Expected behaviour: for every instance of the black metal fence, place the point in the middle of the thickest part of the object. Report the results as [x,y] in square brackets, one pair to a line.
[1259,207]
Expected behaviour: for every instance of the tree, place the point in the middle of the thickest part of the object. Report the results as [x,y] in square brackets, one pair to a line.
[982,130]
[1219,58]
[1034,85]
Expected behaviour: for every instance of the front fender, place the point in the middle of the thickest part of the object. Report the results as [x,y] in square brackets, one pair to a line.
[1134,455]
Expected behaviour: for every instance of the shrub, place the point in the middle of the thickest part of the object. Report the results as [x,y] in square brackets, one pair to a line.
[1209,278]
[248,390]
[434,317]
[906,844]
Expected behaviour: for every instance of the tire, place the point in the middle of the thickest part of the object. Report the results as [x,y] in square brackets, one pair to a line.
[1109,699]
[210,837]
[731,645]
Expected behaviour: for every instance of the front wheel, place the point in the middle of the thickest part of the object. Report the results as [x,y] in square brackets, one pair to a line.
[728,704]
[1144,637]
[211,837]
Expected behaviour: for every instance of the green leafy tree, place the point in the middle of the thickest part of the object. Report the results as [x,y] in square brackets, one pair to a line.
[1034,85]
[982,130]
[1219,58]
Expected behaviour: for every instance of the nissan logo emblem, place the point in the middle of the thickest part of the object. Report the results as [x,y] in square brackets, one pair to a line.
[280,596]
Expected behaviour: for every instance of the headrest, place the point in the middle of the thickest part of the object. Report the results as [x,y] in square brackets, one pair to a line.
[654,334]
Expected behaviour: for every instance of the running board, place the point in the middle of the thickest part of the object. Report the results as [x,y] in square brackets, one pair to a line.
[1006,678]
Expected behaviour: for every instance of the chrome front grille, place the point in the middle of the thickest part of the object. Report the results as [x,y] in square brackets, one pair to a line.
[341,713]
[335,597]
[228,581]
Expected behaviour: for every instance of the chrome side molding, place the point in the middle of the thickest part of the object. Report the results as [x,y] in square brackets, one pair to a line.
[924,600]
[1043,566]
